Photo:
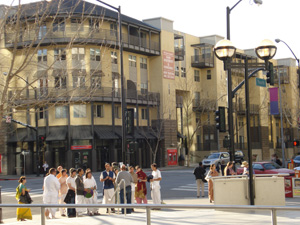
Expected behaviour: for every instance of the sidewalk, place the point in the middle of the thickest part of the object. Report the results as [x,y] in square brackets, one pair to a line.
[33,176]
[180,216]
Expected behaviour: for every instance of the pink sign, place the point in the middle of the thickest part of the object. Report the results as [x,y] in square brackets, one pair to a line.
[168,65]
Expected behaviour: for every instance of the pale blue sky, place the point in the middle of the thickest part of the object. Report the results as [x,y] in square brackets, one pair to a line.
[249,23]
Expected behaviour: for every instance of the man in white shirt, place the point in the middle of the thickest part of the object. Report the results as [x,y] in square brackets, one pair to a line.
[71,212]
[155,185]
[50,195]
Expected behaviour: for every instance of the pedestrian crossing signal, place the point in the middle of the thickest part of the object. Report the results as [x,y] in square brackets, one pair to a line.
[296,143]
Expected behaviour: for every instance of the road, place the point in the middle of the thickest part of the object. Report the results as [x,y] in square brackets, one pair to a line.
[175,184]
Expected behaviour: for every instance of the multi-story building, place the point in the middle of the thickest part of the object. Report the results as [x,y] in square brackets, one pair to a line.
[63,74]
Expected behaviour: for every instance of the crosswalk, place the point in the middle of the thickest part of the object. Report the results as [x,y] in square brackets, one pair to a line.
[189,187]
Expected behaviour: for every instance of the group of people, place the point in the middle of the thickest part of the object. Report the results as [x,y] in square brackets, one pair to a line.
[80,187]
[201,177]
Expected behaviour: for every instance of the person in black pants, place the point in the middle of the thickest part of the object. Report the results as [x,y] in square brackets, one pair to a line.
[199,173]
[71,212]
[128,180]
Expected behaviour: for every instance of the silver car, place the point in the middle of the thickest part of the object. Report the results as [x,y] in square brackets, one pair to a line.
[217,158]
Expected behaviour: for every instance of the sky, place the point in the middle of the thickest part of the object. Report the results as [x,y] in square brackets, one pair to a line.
[250,23]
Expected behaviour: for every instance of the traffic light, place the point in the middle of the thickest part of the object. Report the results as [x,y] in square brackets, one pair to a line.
[270,74]
[42,140]
[296,143]
[221,119]
[132,147]
[129,121]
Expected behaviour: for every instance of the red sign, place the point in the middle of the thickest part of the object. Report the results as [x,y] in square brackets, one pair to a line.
[288,186]
[81,147]
[168,65]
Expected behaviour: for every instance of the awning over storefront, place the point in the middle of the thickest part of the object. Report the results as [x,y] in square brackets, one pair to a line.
[105,133]
[57,133]
[18,135]
[31,137]
[146,133]
[81,133]
[136,135]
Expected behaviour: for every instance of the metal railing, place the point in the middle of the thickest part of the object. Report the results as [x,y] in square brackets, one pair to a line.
[148,208]
[91,35]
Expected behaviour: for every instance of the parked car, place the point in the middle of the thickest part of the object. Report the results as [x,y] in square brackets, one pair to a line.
[296,160]
[267,167]
[239,157]
[217,158]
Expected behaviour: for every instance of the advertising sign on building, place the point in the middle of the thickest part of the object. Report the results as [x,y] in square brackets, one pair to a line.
[168,65]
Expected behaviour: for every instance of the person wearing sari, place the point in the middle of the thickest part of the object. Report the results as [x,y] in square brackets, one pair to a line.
[63,190]
[212,173]
[22,213]
[141,189]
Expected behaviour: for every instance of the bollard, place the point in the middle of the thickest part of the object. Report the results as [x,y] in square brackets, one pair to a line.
[0,208]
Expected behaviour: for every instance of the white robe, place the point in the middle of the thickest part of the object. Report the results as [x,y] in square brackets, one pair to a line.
[50,195]
[90,183]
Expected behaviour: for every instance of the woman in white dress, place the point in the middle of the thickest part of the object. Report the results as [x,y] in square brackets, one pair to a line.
[90,197]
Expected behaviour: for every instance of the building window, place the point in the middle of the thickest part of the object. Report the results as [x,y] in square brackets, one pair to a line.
[114,57]
[41,113]
[42,31]
[61,112]
[143,63]
[78,54]
[208,74]
[144,88]
[99,111]
[76,25]
[42,55]
[176,71]
[96,82]
[132,60]
[59,25]
[197,95]
[117,113]
[79,111]
[113,29]
[59,54]
[94,24]
[183,72]
[95,54]
[144,114]
[60,82]
[196,76]
[78,81]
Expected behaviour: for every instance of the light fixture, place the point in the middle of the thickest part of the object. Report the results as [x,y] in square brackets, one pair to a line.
[258,2]
[224,49]
[266,50]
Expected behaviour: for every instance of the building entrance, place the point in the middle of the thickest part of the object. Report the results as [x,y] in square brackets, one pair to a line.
[82,159]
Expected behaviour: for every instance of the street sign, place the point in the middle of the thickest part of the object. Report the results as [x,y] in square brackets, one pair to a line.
[261,82]
[8,119]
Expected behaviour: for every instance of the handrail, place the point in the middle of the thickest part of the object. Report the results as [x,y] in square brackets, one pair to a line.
[148,207]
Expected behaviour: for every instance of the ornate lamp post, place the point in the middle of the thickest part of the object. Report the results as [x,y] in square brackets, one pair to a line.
[224,50]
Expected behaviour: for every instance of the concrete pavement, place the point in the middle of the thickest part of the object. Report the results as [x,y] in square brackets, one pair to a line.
[180,216]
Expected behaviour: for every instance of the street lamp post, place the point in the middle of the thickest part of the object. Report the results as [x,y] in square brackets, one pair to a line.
[224,50]
[123,99]
[229,83]
[279,83]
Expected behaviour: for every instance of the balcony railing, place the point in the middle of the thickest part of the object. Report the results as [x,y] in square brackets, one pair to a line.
[179,53]
[84,35]
[241,109]
[81,93]
[204,105]
[203,61]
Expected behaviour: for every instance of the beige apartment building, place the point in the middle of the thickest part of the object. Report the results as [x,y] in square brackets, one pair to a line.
[64,62]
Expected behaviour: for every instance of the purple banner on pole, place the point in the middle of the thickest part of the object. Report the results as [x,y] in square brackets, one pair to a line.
[273,94]
[274,108]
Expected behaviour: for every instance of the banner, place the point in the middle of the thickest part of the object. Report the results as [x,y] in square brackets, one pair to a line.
[168,65]
[274,101]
